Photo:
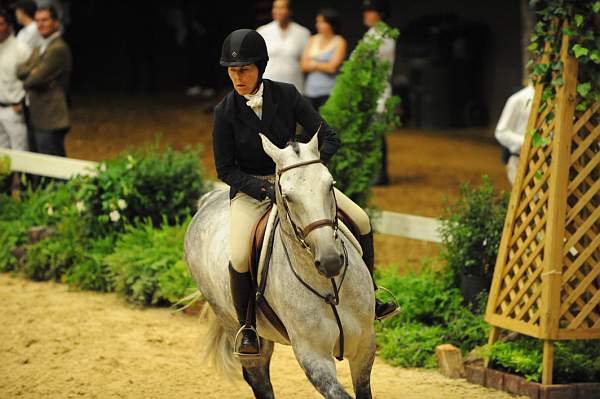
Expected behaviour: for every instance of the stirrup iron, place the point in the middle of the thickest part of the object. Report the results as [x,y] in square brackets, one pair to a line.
[236,341]
[391,314]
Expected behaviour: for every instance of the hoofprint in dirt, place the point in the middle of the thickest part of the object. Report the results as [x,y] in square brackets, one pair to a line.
[60,344]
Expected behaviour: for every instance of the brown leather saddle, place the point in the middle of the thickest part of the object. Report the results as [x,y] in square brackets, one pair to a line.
[256,248]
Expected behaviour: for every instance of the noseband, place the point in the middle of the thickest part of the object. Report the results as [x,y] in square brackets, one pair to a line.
[302,233]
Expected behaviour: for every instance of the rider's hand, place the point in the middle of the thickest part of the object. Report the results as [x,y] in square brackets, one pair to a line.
[269,191]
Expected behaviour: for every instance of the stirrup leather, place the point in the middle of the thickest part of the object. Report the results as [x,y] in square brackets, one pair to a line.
[236,344]
[391,314]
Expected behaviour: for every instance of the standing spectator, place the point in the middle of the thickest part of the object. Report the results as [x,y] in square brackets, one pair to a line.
[285,43]
[13,130]
[510,131]
[375,11]
[24,13]
[45,77]
[322,58]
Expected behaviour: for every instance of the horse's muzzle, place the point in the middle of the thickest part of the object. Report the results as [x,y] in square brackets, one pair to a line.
[331,265]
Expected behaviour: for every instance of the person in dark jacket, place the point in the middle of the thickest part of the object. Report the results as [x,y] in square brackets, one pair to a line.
[272,108]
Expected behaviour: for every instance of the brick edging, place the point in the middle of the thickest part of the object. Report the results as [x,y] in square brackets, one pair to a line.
[520,386]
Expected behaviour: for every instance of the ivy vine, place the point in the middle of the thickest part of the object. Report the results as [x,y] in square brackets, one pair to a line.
[580,20]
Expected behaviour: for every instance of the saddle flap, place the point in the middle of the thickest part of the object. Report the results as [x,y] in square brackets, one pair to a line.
[258,235]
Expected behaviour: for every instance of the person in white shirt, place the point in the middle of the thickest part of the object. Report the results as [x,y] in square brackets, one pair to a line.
[13,130]
[25,13]
[285,43]
[375,11]
[510,131]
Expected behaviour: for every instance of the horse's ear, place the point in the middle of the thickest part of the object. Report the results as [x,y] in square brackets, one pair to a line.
[315,142]
[271,149]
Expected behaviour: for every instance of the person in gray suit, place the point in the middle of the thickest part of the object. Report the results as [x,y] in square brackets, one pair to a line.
[45,77]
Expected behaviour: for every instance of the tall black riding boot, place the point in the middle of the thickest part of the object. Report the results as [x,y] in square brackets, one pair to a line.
[241,290]
[382,309]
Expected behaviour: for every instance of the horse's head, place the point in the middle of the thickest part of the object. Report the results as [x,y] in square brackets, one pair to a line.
[304,191]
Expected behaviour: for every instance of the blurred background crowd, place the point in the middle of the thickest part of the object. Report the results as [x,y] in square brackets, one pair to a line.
[458,61]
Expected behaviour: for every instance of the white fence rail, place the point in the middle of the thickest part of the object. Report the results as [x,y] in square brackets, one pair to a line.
[385,222]
[48,165]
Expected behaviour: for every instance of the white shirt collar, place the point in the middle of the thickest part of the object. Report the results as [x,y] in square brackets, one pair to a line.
[47,40]
[255,100]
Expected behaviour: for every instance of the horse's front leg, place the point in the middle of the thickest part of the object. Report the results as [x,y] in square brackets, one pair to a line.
[319,367]
[361,365]
[256,372]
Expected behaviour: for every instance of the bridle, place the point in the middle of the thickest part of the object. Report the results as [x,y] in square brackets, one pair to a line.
[302,233]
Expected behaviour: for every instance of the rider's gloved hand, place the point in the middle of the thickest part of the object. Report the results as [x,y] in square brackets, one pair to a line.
[269,191]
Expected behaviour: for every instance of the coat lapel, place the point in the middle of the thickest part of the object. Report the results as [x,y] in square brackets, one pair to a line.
[246,115]
[269,107]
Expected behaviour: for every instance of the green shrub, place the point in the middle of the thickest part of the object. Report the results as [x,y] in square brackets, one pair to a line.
[411,345]
[175,283]
[90,272]
[423,297]
[142,184]
[4,168]
[50,258]
[471,230]
[574,361]
[352,112]
[48,206]
[146,264]
[431,313]
[12,235]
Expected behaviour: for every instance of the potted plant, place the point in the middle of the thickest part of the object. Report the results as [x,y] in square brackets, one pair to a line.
[471,229]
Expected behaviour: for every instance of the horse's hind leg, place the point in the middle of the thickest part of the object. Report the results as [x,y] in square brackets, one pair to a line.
[256,372]
[360,368]
[320,370]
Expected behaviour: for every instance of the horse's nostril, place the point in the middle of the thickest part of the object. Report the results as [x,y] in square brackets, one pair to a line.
[317,263]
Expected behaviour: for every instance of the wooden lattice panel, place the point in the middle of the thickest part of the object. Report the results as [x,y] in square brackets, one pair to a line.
[580,294]
[547,278]
[519,294]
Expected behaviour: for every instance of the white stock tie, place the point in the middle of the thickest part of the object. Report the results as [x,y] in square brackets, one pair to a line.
[255,101]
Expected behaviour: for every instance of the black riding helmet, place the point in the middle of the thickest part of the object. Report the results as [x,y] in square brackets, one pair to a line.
[244,47]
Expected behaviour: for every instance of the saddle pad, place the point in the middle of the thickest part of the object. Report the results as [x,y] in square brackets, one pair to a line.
[263,251]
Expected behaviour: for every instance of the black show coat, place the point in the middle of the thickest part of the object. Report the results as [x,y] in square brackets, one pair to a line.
[237,147]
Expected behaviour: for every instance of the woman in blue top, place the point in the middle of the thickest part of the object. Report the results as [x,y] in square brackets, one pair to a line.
[322,58]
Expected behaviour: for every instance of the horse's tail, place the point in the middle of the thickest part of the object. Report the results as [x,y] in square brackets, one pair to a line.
[219,346]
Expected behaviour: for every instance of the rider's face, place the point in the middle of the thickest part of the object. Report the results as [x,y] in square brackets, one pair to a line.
[243,78]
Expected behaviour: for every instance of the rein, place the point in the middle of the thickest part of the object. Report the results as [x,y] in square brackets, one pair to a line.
[331,300]
[301,233]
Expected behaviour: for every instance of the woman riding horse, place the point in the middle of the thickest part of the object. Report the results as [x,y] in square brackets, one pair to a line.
[256,106]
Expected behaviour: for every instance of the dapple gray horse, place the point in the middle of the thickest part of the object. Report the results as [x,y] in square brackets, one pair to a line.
[304,195]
